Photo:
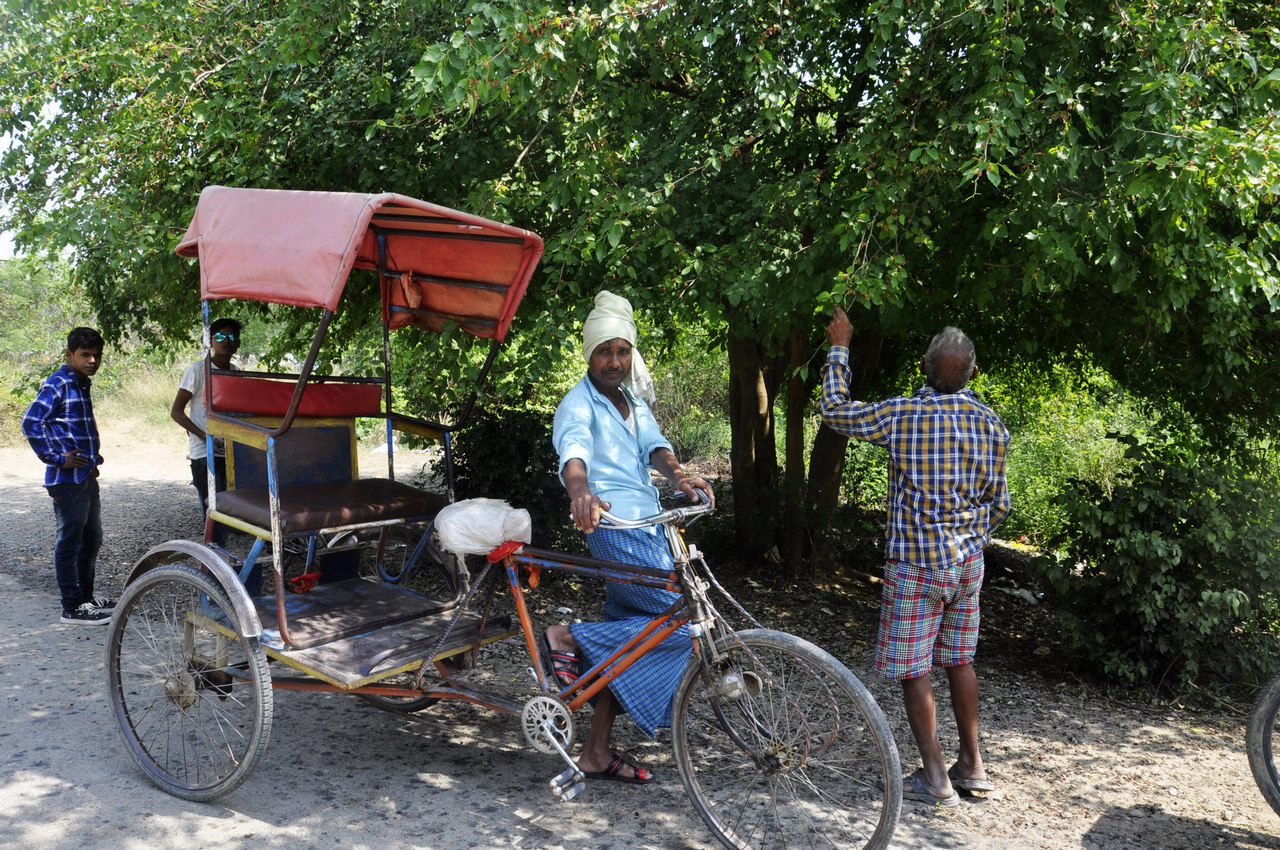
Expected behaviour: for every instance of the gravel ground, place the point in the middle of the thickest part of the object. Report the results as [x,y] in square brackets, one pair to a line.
[1075,770]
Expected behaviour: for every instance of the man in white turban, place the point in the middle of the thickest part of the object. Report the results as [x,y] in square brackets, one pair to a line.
[608,441]
[612,318]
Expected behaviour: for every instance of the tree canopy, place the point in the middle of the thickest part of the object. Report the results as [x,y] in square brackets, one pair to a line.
[1053,177]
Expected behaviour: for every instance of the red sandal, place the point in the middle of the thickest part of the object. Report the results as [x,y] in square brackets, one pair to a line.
[562,665]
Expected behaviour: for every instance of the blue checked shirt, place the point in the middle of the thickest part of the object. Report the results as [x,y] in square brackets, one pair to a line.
[60,420]
[947,488]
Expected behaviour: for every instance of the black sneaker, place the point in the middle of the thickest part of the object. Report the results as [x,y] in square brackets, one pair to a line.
[103,603]
[87,615]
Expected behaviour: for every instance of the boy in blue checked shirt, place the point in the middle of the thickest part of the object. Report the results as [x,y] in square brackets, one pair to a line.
[947,492]
[61,429]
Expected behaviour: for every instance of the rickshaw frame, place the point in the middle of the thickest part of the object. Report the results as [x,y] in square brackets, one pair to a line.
[187,653]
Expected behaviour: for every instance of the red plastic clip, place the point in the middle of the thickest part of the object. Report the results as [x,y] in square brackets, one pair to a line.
[504,550]
[510,547]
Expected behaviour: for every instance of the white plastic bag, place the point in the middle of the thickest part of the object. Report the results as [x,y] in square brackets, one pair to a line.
[478,526]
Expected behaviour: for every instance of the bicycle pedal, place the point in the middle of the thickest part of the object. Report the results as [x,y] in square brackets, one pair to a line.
[568,784]
[570,793]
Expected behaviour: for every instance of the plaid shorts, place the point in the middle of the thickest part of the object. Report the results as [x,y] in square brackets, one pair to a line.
[928,617]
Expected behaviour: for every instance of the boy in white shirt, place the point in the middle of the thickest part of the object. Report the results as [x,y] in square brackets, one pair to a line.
[224,342]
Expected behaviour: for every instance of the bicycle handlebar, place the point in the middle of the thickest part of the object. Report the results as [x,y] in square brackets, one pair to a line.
[669,515]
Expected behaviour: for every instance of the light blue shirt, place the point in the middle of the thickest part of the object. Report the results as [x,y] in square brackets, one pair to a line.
[588,427]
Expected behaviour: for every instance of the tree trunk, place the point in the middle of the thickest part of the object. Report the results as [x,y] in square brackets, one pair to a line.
[826,471]
[753,455]
[795,534]
[826,463]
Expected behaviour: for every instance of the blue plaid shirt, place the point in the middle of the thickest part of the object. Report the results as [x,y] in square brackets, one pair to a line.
[60,420]
[947,488]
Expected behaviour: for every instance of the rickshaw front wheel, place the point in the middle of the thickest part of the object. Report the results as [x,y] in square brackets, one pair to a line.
[191,694]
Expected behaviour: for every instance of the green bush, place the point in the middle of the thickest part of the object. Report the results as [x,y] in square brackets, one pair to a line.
[1061,421]
[865,480]
[1172,572]
[692,384]
[505,452]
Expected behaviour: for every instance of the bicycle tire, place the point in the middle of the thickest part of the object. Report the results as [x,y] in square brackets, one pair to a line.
[801,756]
[193,705]
[399,705]
[1260,742]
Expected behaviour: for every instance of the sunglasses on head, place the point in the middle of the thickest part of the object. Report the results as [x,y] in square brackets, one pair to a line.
[226,336]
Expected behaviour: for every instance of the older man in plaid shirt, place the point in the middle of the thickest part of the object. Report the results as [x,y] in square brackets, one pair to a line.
[947,491]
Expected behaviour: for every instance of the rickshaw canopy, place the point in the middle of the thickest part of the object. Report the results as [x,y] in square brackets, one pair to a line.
[435,264]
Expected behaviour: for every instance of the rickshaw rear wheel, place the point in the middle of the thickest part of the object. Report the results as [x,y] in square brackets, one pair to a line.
[435,572]
[780,745]
[400,705]
[191,694]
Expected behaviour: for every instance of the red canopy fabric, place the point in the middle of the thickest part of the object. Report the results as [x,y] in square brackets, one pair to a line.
[296,247]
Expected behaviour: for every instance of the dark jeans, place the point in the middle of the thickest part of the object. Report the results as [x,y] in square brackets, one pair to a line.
[200,478]
[78,512]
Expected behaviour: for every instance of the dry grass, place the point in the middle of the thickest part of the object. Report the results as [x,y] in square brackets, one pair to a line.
[141,393]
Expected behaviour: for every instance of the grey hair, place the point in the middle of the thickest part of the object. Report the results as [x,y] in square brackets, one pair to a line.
[949,360]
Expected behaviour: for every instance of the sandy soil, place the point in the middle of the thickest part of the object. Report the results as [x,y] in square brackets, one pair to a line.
[1074,769]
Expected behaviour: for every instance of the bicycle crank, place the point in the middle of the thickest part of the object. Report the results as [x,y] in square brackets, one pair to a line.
[548,726]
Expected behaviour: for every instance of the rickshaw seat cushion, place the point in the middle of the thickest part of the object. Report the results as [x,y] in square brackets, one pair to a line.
[311,507]
[265,397]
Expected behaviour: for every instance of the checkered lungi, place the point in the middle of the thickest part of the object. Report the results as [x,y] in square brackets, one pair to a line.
[927,617]
[645,690]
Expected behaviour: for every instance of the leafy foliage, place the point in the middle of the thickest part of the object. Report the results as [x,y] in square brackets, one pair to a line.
[1046,175]
[693,406]
[1063,422]
[505,452]
[1172,573]
[37,308]
[865,484]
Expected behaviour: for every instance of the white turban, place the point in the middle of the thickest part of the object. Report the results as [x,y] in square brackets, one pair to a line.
[613,318]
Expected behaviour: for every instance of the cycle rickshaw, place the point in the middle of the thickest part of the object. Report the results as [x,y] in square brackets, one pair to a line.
[776,742]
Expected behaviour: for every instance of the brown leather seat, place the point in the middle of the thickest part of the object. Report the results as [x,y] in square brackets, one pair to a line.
[311,507]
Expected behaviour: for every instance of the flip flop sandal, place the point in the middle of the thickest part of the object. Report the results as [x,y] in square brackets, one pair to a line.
[969,784]
[643,776]
[915,788]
